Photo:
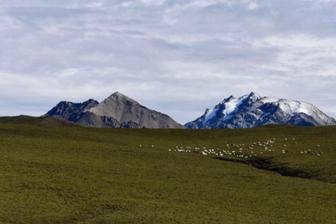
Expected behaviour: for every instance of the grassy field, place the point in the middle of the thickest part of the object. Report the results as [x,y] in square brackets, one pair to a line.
[82,175]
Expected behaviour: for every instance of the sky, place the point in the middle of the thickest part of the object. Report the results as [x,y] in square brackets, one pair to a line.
[175,56]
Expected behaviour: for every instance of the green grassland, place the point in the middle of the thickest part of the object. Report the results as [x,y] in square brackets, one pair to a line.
[81,175]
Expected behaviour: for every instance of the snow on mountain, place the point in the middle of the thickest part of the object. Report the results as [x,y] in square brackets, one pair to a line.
[253,110]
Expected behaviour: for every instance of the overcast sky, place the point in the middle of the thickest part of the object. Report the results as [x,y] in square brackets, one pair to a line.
[175,56]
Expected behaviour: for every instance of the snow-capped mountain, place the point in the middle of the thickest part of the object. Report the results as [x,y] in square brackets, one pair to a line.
[116,111]
[253,110]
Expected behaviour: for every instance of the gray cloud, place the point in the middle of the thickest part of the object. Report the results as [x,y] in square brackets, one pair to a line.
[178,57]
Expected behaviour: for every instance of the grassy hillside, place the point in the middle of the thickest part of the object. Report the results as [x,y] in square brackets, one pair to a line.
[82,175]
[41,121]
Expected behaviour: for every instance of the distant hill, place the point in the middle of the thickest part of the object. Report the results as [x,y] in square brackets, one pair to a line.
[116,111]
[44,121]
[252,110]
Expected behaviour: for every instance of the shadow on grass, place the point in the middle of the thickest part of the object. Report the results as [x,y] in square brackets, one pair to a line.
[269,165]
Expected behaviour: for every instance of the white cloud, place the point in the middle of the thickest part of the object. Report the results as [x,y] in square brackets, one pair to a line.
[152,2]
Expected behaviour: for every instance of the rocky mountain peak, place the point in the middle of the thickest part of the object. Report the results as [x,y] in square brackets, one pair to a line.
[253,110]
[117,110]
[118,95]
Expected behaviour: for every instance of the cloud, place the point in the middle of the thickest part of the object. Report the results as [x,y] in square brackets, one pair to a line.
[178,57]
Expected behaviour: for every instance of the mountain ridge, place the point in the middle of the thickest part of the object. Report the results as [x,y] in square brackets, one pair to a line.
[253,110]
[248,111]
[116,111]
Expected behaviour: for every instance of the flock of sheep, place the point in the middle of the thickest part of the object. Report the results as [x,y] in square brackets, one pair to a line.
[247,151]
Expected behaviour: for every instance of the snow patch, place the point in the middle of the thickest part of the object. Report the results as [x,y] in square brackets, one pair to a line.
[231,106]
[210,114]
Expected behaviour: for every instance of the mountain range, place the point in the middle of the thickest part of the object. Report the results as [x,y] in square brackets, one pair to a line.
[252,110]
[248,111]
